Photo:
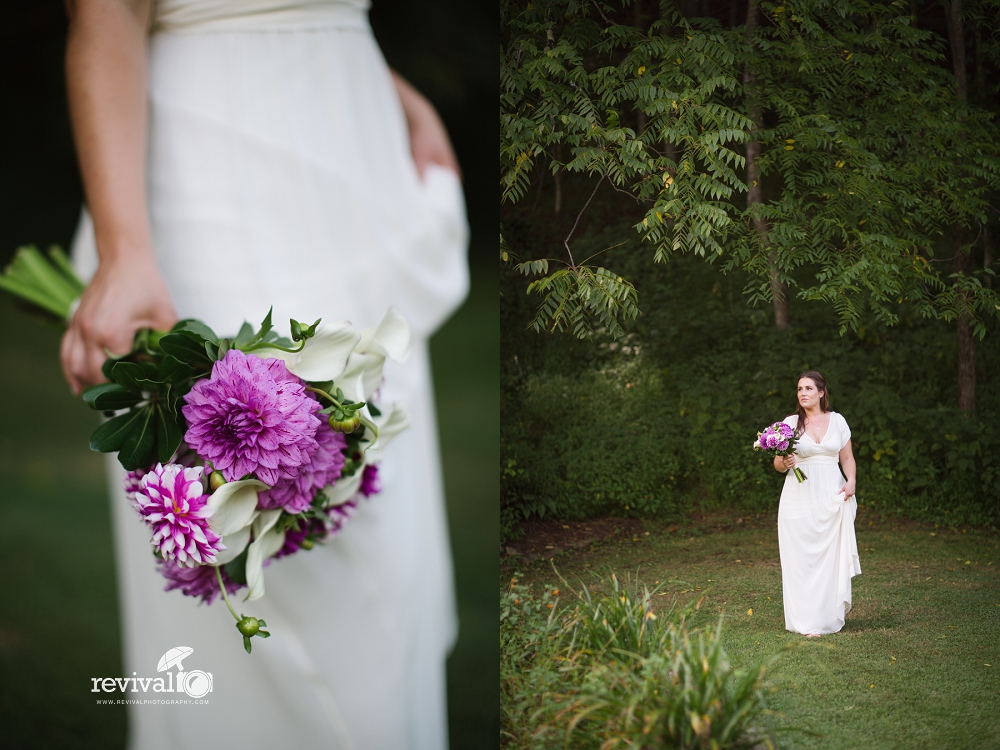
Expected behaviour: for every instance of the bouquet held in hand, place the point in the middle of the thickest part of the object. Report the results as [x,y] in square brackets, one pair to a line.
[241,450]
[780,439]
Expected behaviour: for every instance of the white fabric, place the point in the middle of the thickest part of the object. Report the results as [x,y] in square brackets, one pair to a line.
[279,173]
[819,551]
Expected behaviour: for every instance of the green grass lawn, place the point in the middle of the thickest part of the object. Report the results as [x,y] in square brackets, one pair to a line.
[58,599]
[917,666]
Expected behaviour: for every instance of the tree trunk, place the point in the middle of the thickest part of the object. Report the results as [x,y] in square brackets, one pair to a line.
[960,260]
[956,39]
[755,192]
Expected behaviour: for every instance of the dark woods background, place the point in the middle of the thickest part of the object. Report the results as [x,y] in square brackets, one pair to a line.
[58,616]
[660,421]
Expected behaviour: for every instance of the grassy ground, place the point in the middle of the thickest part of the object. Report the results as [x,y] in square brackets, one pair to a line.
[916,666]
[58,608]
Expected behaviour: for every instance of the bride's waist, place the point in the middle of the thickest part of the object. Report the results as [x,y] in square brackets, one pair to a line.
[259,15]
[806,460]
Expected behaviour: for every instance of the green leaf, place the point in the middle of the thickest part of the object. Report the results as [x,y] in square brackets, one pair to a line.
[173,371]
[131,376]
[244,336]
[237,568]
[197,328]
[139,447]
[265,329]
[187,349]
[168,434]
[111,397]
[111,435]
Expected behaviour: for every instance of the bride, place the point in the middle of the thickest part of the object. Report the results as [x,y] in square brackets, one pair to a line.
[238,154]
[819,552]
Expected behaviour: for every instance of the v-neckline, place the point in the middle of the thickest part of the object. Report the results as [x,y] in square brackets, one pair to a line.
[820,442]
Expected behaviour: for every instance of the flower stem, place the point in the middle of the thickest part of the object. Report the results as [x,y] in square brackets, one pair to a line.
[222,587]
[321,392]
[272,345]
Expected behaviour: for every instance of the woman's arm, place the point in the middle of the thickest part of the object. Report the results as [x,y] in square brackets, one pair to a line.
[850,468]
[429,142]
[106,87]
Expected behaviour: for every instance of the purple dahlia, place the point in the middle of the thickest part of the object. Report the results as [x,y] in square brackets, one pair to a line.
[339,515]
[296,494]
[133,484]
[370,483]
[252,416]
[199,581]
[312,527]
[172,501]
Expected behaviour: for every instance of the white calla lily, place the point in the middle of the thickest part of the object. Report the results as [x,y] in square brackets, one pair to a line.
[235,544]
[389,425]
[362,376]
[390,338]
[324,356]
[343,489]
[233,506]
[267,541]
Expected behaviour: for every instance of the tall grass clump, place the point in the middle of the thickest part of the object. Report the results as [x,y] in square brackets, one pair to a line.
[607,671]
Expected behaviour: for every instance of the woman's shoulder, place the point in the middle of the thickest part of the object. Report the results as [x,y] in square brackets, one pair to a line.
[791,420]
[839,418]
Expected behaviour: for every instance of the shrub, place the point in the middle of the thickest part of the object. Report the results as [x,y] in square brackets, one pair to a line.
[662,421]
[607,671]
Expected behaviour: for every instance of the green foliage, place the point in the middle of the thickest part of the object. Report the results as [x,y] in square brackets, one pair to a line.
[629,427]
[573,296]
[608,671]
[867,156]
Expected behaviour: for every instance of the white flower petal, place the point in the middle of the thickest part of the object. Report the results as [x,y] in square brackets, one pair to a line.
[362,376]
[391,338]
[235,544]
[343,489]
[233,506]
[389,425]
[261,549]
[264,521]
[324,356]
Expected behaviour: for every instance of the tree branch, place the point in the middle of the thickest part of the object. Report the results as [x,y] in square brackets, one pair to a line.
[572,263]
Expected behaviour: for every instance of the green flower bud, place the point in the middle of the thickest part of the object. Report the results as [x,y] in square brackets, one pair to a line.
[306,544]
[216,480]
[346,425]
[248,626]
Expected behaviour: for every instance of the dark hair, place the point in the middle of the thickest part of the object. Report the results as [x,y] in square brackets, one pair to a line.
[824,400]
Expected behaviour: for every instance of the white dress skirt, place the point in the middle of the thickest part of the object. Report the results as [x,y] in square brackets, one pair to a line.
[279,173]
[819,551]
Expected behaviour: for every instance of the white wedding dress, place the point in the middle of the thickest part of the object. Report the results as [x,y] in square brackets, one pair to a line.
[279,173]
[819,552]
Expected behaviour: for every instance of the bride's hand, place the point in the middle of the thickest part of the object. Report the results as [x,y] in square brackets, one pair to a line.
[788,461]
[849,489]
[125,295]
[429,142]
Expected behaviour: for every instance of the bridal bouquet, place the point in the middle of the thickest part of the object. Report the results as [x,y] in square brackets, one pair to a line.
[779,438]
[238,450]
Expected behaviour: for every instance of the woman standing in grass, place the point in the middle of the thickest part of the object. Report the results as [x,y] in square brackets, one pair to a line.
[819,552]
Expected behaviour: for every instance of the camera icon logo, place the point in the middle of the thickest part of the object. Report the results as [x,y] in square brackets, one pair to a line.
[197,684]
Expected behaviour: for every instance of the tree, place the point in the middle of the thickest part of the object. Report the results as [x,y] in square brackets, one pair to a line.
[861,153]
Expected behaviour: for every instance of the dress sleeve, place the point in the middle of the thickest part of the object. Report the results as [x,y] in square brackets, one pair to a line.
[845,432]
[791,420]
